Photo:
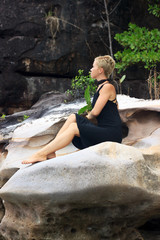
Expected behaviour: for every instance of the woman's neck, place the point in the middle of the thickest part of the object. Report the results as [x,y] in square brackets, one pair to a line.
[99,82]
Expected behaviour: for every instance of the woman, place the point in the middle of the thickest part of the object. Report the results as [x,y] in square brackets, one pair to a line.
[81,131]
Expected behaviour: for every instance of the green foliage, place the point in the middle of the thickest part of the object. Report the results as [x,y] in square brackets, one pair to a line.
[25,117]
[3,116]
[154,7]
[140,46]
[87,96]
[83,86]
[49,13]
[80,83]
[122,79]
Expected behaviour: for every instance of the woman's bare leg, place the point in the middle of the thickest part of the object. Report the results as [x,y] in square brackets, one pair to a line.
[59,142]
[51,155]
[70,119]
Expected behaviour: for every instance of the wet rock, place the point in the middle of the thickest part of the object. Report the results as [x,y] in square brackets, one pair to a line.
[47,105]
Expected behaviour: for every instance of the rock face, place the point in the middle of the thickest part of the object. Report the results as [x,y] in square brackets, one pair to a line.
[44,43]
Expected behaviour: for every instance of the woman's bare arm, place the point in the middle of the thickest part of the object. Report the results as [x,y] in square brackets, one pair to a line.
[105,94]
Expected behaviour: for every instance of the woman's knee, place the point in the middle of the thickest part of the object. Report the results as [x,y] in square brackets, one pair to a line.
[73,127]
[72,118]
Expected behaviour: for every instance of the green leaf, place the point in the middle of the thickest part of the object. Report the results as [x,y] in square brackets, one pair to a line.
[80,83]
[3,116]
[140,46]
[87,95]
[25,117]
[83,109]
[122,78]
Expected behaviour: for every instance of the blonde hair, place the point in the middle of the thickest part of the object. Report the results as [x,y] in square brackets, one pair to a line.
[107,63]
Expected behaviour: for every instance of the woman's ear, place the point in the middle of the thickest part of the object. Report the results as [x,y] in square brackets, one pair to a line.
[101,70]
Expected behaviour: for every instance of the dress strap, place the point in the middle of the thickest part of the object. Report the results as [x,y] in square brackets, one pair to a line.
[114,100]
[102,86]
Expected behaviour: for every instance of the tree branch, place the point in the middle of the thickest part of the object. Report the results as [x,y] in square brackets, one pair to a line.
[115,7]
[109,28]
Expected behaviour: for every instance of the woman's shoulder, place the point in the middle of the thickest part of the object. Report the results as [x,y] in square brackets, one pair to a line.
[107,87]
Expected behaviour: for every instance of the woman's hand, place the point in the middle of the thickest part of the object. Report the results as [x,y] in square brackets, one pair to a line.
[91,118]
[90,115]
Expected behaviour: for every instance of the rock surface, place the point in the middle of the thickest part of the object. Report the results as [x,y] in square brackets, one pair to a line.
[143,125]
[106,191]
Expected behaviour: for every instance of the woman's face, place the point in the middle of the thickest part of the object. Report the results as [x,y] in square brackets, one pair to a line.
[95,70]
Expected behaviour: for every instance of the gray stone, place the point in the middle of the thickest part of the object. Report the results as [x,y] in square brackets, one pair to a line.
[103,192]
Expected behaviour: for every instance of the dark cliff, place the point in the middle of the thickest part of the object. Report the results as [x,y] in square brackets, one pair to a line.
[44,43]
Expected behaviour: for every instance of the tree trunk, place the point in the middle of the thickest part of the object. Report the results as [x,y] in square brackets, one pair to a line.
[109,27]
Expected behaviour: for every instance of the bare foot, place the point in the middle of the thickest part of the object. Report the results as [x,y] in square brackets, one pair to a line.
[51,155]
[34,158]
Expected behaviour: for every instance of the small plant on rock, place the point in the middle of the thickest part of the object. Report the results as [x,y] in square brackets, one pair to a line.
[53,23]
[25,117]
[3,116]
[80,83]
[83,86]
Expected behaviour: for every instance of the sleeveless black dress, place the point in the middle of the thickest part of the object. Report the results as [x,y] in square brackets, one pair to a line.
[108,128]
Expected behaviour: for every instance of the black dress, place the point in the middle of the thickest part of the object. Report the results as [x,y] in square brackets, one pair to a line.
[108,126]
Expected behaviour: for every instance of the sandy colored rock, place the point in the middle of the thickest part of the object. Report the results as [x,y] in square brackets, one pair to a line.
[105,191]
[141,123]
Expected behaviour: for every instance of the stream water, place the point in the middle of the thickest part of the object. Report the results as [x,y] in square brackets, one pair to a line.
[55,113]
[124,102]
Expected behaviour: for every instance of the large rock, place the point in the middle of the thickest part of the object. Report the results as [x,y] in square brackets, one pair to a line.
[111,187]
[140,128]
[20,138]
[103,192]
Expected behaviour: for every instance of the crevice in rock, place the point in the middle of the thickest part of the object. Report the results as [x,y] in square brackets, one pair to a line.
[151,229]
[2,214]
[3,151]
[125,130]
[36,74]
[7,33]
